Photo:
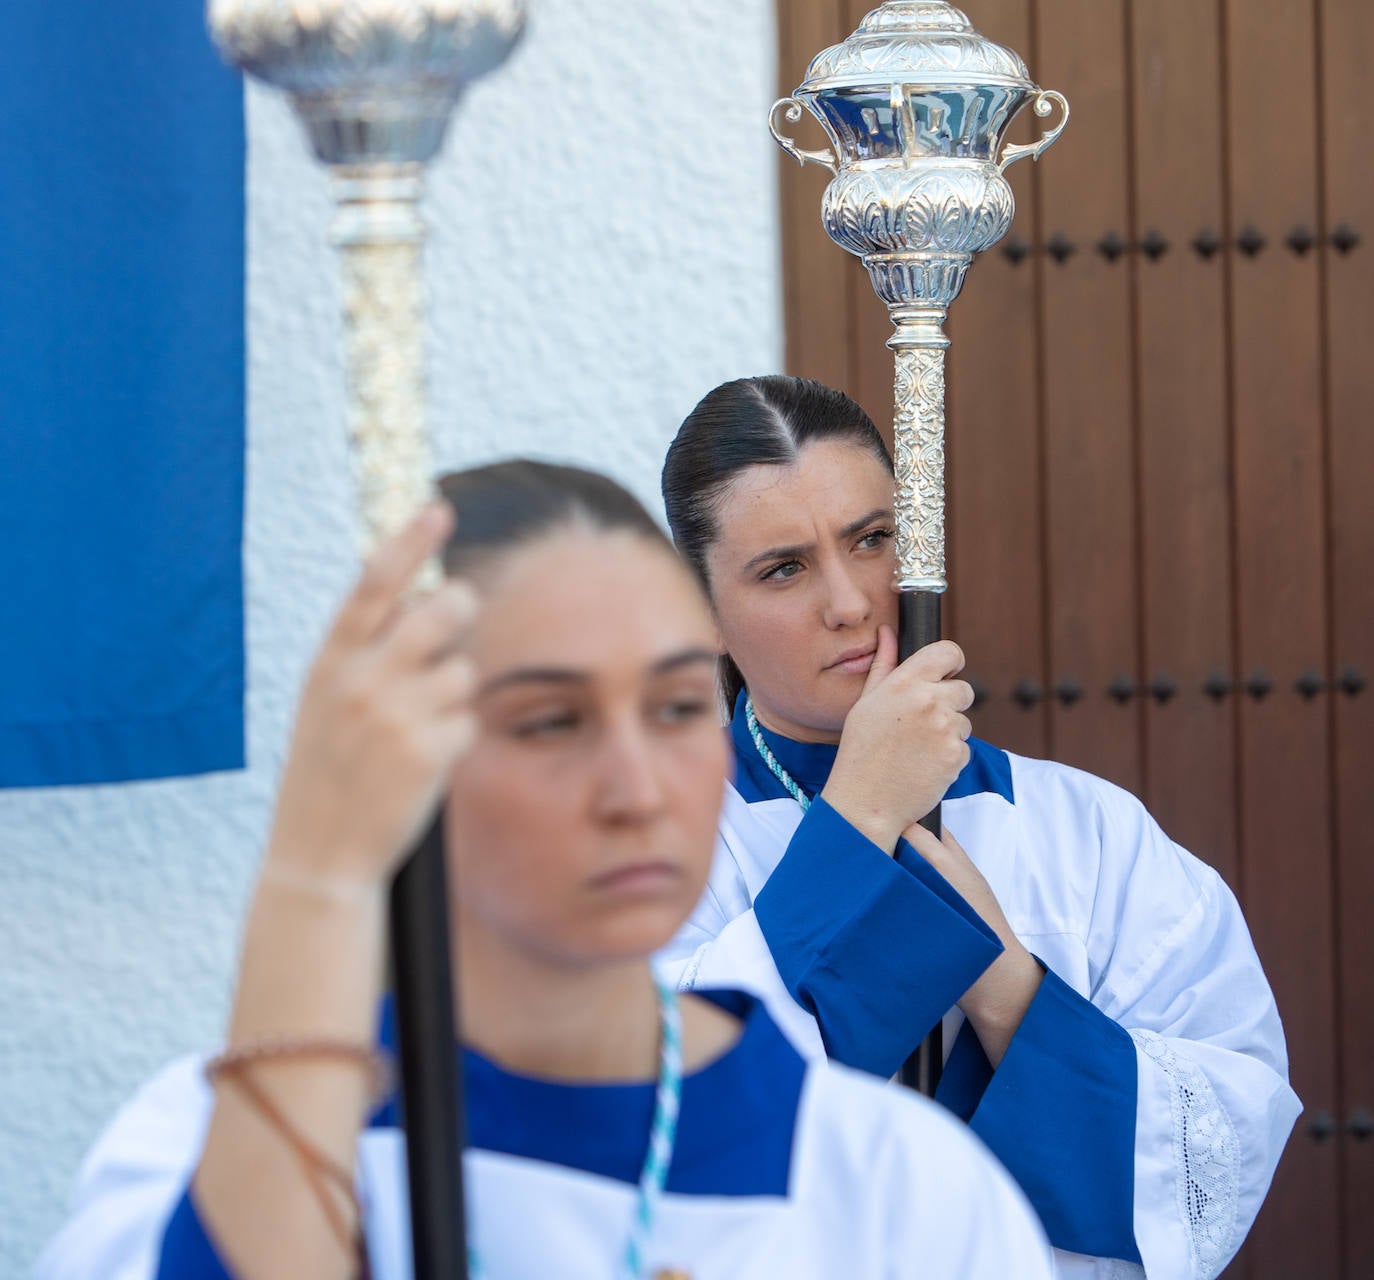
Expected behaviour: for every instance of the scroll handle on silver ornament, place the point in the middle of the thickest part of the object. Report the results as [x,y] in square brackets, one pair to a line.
[1044,104]
[794,113]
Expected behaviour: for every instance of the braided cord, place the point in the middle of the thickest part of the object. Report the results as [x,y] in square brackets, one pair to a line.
[663,1134]
[774,764]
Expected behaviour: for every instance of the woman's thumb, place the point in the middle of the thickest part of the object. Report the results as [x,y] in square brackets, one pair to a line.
[884,660]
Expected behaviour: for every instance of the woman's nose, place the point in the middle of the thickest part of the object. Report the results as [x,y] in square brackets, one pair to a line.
[629,787]
[846,602]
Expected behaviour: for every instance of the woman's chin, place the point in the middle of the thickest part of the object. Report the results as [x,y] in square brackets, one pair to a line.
[843,685]
[835,696]
[632,934]
[819,707]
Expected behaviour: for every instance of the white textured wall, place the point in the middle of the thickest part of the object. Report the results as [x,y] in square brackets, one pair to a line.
[604,250]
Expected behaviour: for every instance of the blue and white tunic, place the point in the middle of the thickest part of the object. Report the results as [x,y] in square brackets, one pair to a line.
[1143,1103]
[782,1169]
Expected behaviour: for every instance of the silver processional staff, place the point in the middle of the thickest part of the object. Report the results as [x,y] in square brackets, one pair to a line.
[375,83]
[916,104]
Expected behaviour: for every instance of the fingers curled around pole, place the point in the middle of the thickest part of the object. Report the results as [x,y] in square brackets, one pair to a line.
[965,696]
[390,571]
[435,626]
[939,661]
[454,683]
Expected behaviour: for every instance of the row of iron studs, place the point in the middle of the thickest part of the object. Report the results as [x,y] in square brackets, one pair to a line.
[1163,689]
[1207,244]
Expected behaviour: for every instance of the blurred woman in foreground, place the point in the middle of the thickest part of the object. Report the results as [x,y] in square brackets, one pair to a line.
[615,1128]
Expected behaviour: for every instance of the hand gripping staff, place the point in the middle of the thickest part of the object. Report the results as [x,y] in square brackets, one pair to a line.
[375,82]
[917,104]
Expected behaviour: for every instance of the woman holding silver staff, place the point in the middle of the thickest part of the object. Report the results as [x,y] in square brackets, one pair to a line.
[617,1128]
[1114,1039]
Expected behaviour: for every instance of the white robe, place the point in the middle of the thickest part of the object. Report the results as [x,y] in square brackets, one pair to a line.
[1137,935]
[874,1185]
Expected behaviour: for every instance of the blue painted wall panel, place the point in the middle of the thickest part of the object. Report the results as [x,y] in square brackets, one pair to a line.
[121,394]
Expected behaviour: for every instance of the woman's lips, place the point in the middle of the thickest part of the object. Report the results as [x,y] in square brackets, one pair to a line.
[854,662]
[639,879]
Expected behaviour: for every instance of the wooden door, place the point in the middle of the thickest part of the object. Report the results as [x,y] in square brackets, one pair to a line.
[1160,457]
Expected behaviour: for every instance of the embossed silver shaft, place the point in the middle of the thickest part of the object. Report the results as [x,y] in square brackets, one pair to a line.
[380,237]
[918,437]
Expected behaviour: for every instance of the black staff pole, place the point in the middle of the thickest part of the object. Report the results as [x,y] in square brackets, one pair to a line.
[431,1068]
[918,624]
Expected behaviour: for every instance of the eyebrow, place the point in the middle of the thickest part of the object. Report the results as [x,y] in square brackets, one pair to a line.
[571,676]
[791,553]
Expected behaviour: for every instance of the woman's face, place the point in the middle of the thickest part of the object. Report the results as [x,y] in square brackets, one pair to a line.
[582,823]
[801,577]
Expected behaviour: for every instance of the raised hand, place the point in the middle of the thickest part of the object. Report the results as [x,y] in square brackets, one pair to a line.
[383,719]
[904,742]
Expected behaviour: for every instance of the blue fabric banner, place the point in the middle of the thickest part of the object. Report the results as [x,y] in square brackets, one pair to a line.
[121,394]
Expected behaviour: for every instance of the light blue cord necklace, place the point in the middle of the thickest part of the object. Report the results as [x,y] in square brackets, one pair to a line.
[773,763]
[662,1138]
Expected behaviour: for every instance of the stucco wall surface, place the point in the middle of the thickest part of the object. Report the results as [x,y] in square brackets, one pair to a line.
[603,251]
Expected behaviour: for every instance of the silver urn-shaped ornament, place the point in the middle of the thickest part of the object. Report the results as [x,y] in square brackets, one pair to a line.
[917,105]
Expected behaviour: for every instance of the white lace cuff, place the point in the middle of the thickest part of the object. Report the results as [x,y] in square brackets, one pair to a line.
[1206,1157]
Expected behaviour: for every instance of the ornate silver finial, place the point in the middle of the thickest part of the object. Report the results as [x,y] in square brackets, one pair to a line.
[375,83]
[916,104]
[373,80]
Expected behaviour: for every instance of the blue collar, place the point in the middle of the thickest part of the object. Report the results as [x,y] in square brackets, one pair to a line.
[987,772]
[734,1135]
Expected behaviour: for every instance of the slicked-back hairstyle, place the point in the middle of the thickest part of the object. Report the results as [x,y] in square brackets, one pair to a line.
[752,422]
[506,504]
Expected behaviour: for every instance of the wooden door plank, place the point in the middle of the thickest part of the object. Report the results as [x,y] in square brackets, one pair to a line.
[1088,402]
[1348,41]
[817,294]
[1281,595]
[870,361]
[1184,440]
[995,443]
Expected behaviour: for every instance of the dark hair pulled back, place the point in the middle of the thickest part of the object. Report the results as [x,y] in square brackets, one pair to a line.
[751,422]
[504,505]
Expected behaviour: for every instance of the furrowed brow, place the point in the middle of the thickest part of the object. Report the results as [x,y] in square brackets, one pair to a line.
[801,549]
[778,553]
[853,527]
